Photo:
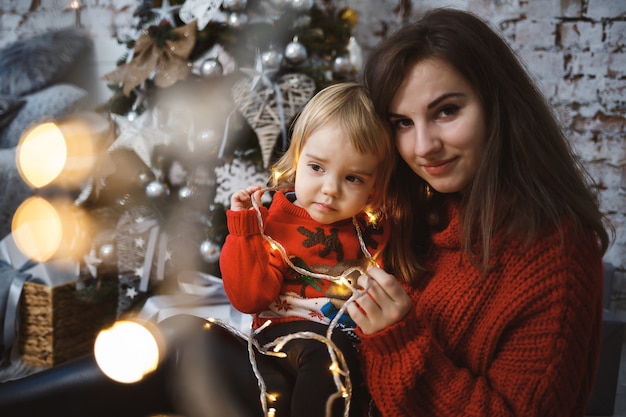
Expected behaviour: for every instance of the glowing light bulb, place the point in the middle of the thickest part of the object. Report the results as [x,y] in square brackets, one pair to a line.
[127,351]
[371,217]
[41,154]
[43,229]
[37,229]
[56,152]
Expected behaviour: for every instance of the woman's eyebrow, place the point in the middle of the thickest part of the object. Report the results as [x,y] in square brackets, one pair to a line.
[432,104]
[442,98]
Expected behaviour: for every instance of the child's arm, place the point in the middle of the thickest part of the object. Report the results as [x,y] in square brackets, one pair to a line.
[251,271]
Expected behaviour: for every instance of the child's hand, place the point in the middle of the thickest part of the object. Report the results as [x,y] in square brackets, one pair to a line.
[242,199]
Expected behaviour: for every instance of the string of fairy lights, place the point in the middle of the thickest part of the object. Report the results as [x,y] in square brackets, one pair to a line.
[338,367]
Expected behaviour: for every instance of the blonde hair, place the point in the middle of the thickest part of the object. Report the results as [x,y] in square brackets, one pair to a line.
[348,105]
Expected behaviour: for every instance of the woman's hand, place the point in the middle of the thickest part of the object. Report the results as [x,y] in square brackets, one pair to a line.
[242,199]
[385,302]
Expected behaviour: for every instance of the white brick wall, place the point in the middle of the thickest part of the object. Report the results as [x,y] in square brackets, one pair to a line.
[576,49]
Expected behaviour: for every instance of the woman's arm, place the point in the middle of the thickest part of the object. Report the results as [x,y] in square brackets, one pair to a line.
[523,342]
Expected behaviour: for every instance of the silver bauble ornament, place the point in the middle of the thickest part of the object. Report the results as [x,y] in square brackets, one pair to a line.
[185,193]
[210,251]
[295,52]
[235,5]
[156,189]
[342,65]
[271,59]
[211,68]
[236,19]
[302,5]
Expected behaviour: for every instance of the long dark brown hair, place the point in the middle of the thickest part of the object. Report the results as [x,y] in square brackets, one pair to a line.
[528,180]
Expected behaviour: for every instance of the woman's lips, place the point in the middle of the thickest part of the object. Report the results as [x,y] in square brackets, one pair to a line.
[439,167]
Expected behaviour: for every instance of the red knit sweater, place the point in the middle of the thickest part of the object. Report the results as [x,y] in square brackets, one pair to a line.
[521,342]
[258,280]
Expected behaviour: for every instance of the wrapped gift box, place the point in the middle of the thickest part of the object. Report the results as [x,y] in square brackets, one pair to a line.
[54,321]
[57,325]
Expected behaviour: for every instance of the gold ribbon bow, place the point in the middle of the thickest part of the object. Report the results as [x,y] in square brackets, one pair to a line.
[169,62]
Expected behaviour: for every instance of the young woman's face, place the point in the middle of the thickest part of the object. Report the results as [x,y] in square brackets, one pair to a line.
[333,181]
[439,125]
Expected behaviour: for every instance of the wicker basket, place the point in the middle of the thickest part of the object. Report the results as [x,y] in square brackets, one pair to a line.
[56,325]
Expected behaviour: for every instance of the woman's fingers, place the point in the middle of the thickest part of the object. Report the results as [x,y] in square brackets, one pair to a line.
[384,303]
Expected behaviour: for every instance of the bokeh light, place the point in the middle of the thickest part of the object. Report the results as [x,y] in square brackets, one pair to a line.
[44,229]
[41,154]
[127,351]
[37,229]
[62,153]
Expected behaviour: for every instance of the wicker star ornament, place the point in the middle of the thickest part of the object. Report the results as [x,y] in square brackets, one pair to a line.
[267,108]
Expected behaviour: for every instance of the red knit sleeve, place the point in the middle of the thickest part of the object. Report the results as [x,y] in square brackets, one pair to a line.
[522,342]
[251,274]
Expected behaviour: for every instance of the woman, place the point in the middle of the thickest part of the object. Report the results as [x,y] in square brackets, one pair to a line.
[493,302]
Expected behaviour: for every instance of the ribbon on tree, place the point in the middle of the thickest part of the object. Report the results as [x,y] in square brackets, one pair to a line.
[163,51]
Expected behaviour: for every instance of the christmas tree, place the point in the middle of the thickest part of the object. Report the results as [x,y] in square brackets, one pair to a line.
[201,106]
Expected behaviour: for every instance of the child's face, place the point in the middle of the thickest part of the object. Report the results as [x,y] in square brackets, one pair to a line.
[333,181]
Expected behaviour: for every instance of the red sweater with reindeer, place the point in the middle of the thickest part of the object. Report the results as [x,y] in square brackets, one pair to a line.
[258,280]
[521,341]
